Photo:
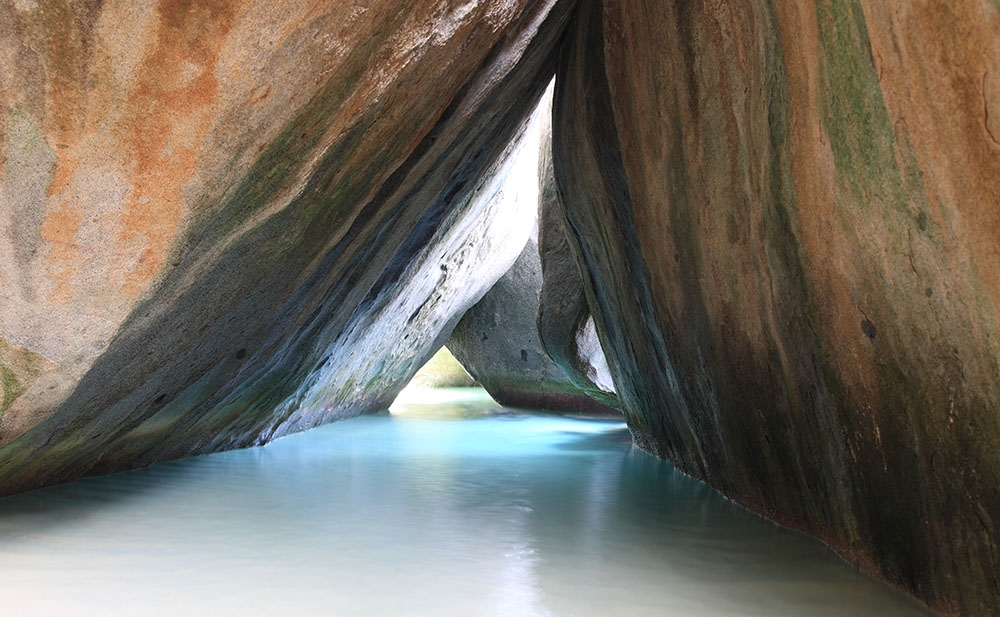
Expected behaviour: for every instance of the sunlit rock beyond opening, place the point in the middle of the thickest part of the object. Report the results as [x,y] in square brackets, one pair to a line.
[441,371]
[531,340]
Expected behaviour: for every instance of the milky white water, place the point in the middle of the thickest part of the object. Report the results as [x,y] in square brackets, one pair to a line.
[449,507]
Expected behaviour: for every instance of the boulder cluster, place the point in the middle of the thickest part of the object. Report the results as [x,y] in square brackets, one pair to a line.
[765,231]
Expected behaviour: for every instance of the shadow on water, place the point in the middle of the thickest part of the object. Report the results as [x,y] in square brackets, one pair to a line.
[64,504]
[594,442]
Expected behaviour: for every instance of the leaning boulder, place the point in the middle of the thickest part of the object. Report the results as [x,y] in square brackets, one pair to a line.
[565,324]
[788,213]
[497,342]
[220,222]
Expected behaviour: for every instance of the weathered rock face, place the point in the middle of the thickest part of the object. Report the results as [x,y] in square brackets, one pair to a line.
[530,341]
[565,325]
[207,207]
[455,257]
[222,221]
[497,341]
[788,214]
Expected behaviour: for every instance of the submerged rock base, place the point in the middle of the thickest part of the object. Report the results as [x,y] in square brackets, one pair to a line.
[225,222]
[788,215]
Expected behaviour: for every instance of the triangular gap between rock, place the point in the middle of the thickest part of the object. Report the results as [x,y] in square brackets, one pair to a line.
[506,210]
[522,341]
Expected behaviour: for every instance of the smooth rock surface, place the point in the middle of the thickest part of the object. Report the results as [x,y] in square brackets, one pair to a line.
[565,325]
[497,341]
[788,215]
[501,341]
[207,208]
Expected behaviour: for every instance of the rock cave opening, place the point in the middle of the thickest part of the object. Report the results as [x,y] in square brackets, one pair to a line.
[739,251]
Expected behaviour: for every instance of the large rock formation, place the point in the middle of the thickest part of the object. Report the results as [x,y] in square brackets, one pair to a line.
[504,341]
[221,221]
[498,342]
[565,325]
[219,217]
[788,213]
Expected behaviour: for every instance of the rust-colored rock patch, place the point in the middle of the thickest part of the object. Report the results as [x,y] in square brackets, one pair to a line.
[787,211]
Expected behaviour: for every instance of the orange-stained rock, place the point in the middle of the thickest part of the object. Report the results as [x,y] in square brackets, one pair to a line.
[790,215]
[222,220]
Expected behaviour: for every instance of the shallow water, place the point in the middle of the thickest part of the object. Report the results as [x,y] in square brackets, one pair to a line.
[450,506]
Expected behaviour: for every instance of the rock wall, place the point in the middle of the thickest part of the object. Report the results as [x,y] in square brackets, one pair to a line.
[208,207]
[499,341]
[221,221]
[788,215]
[565,325]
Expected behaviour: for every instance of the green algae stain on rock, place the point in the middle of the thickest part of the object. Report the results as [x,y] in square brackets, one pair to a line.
[9,389]
[24,135]
[855,115]
[874,161]
[29,166]
[856,119]
[19,368]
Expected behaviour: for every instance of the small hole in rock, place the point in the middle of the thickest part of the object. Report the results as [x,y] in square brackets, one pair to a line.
[868,328]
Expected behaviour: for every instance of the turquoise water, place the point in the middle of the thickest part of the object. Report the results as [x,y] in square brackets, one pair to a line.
[450,506]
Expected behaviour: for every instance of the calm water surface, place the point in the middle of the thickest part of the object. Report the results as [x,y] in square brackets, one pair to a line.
[448,507]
